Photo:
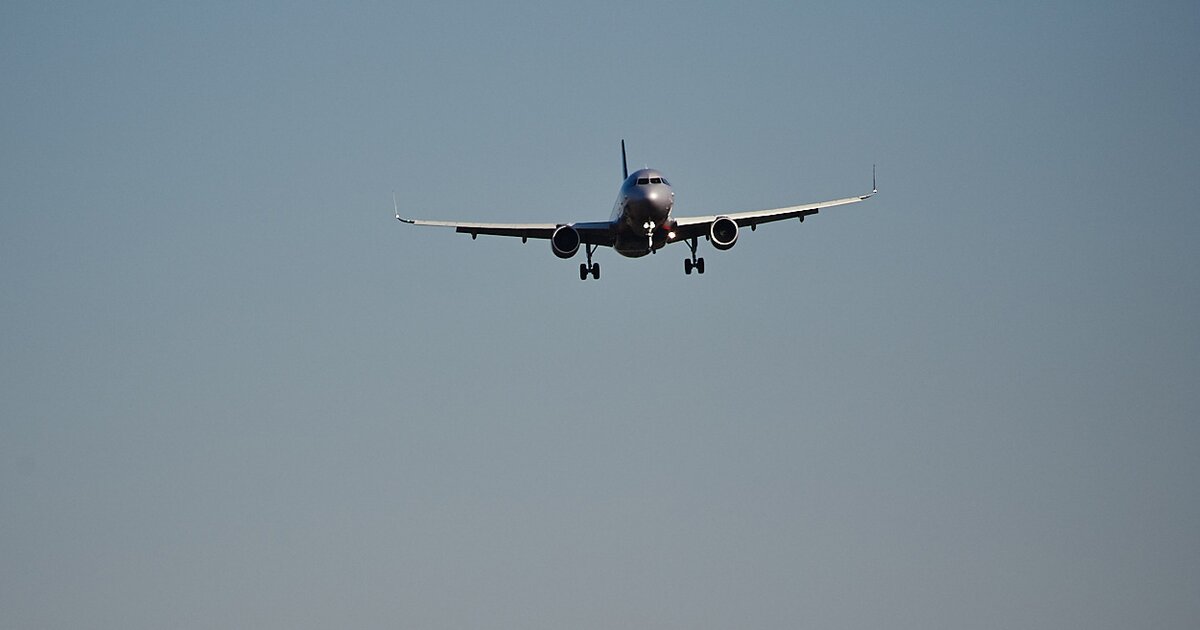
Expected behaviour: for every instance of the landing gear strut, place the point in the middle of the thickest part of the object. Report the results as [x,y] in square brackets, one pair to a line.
[693,263]
[589,268]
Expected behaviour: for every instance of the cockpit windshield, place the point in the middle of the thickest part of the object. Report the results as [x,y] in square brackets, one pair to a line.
[642,181]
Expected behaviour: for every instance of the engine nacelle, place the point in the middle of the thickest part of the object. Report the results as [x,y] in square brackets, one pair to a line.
[565,241]
[723,233]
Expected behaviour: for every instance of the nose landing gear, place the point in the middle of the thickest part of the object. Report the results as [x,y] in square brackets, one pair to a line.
[693,263]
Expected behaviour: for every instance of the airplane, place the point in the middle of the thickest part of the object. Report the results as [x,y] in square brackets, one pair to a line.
[641,223]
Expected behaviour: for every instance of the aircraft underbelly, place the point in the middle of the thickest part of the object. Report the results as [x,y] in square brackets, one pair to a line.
[632,252]
[635,245]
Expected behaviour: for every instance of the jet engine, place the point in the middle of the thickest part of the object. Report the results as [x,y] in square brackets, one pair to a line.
[723,233]
[565,241]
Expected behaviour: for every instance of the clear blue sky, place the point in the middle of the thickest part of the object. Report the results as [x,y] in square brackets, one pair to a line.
[234,392]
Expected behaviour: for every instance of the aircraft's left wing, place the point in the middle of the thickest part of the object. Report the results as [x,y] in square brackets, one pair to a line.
[695,227]
[689,227]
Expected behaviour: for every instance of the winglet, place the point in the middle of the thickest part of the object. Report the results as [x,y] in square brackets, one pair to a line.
[624,163]
[396,204]
[874,188]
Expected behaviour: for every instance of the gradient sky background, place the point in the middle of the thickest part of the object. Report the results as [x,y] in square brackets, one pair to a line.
[235,392]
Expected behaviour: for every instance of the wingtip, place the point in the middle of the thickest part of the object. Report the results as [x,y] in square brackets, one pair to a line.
[874,186]
[396,206]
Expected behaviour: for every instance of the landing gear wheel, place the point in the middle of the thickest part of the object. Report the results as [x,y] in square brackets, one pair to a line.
[589,267]
[693,263]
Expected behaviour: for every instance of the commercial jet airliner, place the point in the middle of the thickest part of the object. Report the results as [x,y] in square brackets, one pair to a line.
[641,223]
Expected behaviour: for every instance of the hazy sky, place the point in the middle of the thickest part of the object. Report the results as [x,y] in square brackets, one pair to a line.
[235,392]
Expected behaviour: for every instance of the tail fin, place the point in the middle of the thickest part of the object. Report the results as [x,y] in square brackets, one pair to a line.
[624,164]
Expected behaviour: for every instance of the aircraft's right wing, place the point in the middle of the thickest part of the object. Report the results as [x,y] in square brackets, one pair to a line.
[591,233]
[522,230]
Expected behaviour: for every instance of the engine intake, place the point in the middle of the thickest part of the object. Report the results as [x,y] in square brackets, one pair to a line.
[565,241]
[723,233]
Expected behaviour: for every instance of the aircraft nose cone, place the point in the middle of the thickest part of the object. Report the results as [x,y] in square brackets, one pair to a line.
[662,199]
[651,203]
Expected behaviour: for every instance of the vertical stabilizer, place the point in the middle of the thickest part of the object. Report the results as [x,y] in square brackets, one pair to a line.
[624,164]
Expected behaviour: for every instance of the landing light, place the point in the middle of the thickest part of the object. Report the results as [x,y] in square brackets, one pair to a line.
[671,235]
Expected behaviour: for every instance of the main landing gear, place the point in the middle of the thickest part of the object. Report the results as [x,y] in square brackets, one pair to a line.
[693,263]
[589,268]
